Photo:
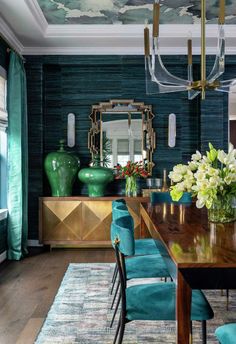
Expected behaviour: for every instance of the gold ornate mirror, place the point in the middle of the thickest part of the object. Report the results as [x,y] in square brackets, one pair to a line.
[121,130]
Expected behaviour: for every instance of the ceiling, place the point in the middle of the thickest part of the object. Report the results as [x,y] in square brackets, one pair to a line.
[108,26]
[130,11]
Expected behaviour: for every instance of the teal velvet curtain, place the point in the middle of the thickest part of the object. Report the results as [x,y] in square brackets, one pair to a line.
[17,159]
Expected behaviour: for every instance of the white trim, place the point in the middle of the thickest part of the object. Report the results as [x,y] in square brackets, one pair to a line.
[3,73]
[10,36]
[34,243]
[128,40]
[3,214]
[37,14]
[3,256]
[115,51]
[117,30]
[82,51]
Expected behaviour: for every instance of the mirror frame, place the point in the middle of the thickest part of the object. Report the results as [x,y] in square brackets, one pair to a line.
[95,140]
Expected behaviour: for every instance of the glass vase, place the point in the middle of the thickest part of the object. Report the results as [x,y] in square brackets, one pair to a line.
[131,186]
[222,210]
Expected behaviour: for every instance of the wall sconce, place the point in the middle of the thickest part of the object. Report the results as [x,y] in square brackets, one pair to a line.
[172,130]
[71,130]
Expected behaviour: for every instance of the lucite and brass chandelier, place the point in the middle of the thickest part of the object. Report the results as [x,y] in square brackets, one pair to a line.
[160,80]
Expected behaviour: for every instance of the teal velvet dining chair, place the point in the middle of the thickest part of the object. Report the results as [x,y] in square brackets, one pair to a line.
[142,246]
[154,301]
[165,197]
[149,266]
[226,334]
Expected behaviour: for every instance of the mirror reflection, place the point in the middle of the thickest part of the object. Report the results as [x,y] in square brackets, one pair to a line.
[123,135]
[121,131]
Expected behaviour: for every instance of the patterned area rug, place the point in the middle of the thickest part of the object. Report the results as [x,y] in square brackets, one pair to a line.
[80,312]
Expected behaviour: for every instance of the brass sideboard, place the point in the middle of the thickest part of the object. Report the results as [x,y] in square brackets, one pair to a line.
[81,221]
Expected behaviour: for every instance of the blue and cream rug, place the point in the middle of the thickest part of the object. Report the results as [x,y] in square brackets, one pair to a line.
[80,312]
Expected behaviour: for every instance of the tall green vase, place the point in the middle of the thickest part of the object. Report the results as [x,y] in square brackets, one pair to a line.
[61,168]
[96,178]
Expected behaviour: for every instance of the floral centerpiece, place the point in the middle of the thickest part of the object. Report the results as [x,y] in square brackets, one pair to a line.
[131,171]
[211,178]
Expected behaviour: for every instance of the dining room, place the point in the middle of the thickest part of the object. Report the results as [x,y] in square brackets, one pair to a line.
[118,171]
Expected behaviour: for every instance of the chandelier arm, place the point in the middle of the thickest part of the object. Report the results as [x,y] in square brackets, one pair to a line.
[219,64]
[153,86]
[159,69]
[226,86]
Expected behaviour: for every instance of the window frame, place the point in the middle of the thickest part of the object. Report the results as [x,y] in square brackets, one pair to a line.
[3,149]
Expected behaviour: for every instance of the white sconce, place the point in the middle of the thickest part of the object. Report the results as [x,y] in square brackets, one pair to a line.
[70,130]
[172,130]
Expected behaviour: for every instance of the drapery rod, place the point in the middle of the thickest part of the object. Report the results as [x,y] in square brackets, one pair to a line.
[11,49]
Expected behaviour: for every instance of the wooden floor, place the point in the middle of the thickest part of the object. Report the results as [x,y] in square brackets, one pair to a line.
[28,287]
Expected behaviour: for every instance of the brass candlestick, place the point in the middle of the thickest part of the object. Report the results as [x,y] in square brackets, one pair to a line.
[165,186]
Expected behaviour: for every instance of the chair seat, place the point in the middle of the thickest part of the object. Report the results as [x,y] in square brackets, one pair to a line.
[149,266]
[226,334]
[146,246]
[157,302]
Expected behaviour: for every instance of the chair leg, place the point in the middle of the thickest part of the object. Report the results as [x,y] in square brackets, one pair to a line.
[115,311]
[114,298]
[122,331]
[114,273]
[204,332]
[114,280]
[117,331]
[227,299]
[191,332]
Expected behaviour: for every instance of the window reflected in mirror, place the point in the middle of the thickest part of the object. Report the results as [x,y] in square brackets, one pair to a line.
[124,138]
[121,131]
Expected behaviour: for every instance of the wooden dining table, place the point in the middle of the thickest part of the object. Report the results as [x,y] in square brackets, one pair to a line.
[198,254]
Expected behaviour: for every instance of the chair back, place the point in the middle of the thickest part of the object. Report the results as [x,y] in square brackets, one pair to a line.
[165,197]
[122,235]
[123,218]
[119,211]
[118,202]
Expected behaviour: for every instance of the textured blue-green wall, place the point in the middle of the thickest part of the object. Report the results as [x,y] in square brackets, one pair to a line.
[3,223]
[58,85]
[3,235]
[3,54]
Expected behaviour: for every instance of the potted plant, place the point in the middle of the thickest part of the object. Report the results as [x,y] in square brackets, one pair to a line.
[211,178]
[131,171]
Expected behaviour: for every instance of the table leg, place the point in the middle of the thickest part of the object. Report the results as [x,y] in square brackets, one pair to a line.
[183,310]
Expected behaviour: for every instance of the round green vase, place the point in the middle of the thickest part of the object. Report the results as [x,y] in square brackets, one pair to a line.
[96,178]
[61,168]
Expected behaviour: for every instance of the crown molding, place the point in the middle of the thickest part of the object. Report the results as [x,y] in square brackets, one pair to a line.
[10,37]
[38,15]
[114,51]
[118,30]
[101,50]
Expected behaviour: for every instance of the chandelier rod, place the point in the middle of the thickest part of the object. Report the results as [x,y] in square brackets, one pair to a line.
[203,48]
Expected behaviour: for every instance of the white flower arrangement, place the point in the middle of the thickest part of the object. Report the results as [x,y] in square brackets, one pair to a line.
[208,177]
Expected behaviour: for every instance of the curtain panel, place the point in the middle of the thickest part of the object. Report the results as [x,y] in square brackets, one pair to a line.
[17,159]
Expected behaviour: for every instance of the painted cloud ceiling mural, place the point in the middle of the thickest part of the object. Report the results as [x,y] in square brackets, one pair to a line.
[131,11]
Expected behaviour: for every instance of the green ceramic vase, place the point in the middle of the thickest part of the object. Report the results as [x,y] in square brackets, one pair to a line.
[61,168]
[96,178]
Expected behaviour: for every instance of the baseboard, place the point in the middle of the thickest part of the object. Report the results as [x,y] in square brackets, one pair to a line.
[3,256]
[34,243]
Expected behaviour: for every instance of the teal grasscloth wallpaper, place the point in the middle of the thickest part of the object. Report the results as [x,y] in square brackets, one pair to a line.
[58,85]
[3,54]
[3,235]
